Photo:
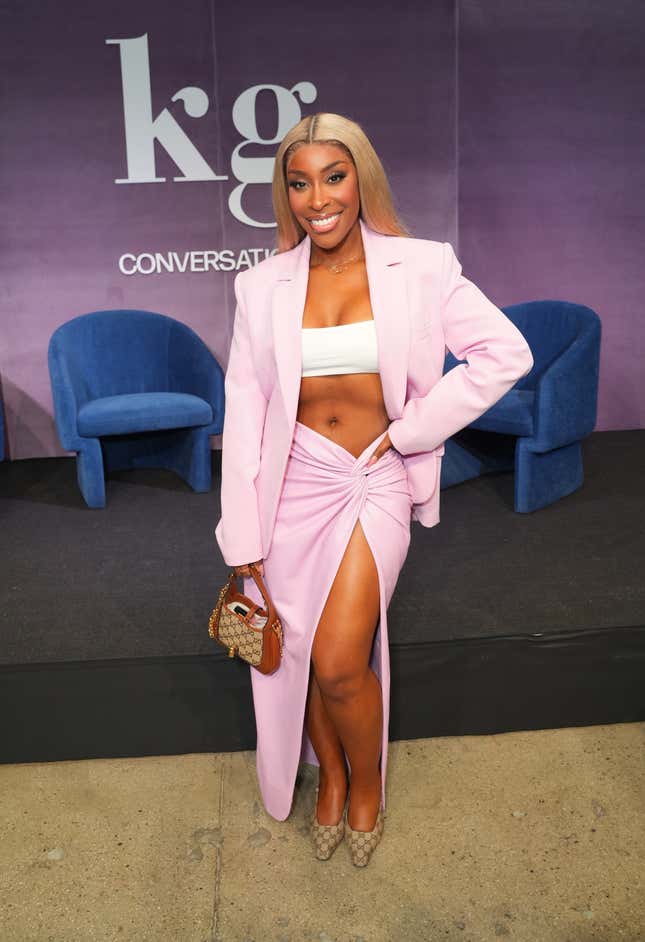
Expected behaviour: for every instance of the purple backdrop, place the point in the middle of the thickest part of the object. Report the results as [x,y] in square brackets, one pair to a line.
[512,130]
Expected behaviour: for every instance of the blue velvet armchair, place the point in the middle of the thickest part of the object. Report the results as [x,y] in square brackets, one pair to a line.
[546,414]
[134,389]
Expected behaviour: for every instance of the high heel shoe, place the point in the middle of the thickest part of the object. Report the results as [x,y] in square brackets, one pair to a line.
[362,844]
[326,837]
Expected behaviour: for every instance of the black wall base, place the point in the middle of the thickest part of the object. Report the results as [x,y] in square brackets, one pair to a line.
[175,705]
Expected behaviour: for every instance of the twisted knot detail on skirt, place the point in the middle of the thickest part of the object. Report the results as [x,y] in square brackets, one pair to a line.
[325,491]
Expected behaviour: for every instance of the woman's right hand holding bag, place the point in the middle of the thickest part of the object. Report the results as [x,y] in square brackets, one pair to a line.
[245,571]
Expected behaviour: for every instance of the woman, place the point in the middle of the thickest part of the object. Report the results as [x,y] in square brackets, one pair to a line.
[336,415]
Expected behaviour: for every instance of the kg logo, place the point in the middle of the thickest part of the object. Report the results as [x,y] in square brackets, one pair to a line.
[142,129]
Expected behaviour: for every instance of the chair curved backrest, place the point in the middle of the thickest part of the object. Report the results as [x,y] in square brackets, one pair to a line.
[125,351]
[550,327]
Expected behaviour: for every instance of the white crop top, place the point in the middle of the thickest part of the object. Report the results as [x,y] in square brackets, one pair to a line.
[344,348]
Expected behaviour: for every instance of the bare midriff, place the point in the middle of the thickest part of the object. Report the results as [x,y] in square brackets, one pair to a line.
[348,408]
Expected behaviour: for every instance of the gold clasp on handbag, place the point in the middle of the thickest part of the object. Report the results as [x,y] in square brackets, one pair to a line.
[232,650]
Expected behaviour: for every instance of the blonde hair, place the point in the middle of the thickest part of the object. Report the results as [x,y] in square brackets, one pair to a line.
[376,204]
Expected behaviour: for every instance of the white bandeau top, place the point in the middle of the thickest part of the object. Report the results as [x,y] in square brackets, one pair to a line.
[344,348]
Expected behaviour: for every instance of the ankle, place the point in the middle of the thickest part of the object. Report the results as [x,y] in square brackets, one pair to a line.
[333,779]
[331,797]
[364,803]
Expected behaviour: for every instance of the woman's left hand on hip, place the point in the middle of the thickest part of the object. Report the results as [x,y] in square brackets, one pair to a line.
[384,445]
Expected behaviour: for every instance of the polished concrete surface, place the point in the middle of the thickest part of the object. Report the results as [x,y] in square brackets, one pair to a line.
[529,836]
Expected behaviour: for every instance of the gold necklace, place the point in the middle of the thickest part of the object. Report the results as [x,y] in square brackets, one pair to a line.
[337,267]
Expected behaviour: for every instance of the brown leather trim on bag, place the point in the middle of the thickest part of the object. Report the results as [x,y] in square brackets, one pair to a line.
[259,647]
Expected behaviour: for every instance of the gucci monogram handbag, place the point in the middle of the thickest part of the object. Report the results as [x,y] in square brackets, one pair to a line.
[252,633]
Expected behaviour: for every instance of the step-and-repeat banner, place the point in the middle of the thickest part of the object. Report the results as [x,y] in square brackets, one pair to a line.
[138,145]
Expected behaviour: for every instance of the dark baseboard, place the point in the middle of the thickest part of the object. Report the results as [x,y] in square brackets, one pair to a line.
[175,705]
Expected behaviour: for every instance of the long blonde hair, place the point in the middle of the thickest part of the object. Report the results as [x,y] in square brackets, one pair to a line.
[376,204]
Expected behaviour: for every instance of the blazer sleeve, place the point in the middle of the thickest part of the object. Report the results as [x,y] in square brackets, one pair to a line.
[496,352]
[238,530]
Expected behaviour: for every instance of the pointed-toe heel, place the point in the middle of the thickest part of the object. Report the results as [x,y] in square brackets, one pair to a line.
[362,844]
[326,837]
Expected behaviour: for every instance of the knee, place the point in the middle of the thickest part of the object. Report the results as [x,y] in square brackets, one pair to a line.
[339,680]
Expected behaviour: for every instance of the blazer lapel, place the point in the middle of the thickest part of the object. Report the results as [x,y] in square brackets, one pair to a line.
[388,296]
[386,274]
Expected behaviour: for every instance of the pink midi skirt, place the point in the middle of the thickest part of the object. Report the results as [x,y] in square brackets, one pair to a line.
[325,491]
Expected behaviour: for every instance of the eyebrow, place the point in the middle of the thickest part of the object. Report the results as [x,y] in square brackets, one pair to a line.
[328,167]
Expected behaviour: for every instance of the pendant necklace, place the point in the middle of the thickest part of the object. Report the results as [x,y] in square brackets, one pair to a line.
[337,267]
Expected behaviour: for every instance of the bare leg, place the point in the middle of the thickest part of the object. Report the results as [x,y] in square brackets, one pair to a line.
[333,779]
[350,691]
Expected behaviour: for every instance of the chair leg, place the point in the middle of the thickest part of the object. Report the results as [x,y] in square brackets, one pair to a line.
[191,459]
[90,473]
[543,478]
[185,451]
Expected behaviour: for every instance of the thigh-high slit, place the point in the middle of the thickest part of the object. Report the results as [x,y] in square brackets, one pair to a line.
[325,491]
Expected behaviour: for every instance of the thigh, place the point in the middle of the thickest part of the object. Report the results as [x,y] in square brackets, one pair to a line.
[346,628]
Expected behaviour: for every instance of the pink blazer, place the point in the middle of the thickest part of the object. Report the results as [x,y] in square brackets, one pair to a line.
[421,304]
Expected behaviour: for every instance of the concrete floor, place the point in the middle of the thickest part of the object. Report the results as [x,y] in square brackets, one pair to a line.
[531,836]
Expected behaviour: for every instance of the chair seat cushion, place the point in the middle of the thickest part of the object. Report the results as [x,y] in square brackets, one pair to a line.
[142,412]
[511,415]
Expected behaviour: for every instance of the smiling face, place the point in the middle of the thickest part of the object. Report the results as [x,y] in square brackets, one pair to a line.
[324,195]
